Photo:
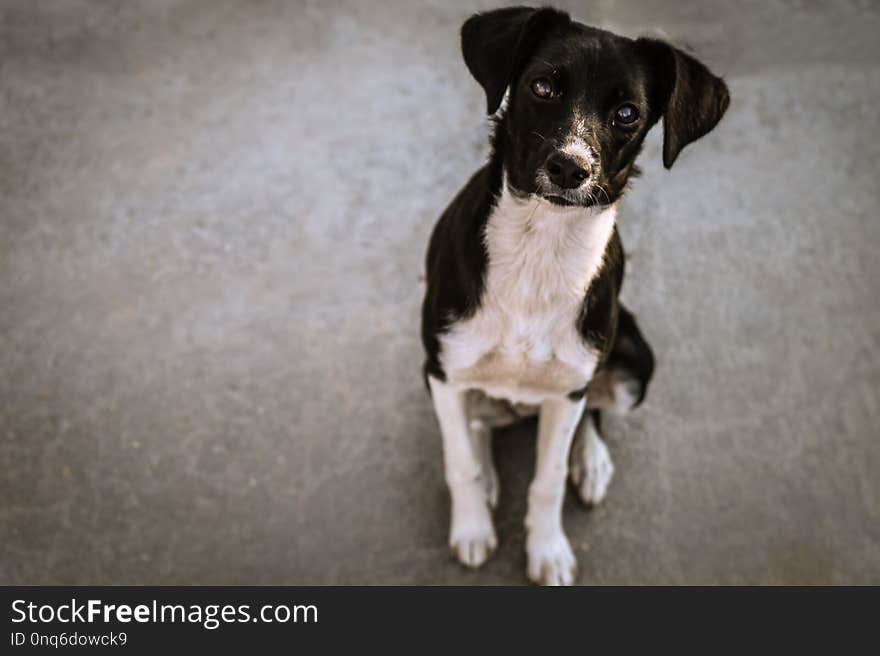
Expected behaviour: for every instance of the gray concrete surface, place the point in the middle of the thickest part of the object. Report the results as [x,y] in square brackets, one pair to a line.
[212,222]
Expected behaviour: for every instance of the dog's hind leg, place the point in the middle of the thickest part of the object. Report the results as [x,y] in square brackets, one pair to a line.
[622,381]
[618,386]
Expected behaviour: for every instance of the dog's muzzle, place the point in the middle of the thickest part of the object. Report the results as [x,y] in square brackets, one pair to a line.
[569,175]
[565,171]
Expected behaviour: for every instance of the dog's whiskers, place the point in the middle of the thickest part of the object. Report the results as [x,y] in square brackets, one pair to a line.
[604,193]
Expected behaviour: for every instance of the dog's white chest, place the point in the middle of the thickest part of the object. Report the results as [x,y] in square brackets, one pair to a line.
[523,343]
[506,357]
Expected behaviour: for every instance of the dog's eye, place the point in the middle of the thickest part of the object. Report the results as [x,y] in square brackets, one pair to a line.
[626,114]
[542,87]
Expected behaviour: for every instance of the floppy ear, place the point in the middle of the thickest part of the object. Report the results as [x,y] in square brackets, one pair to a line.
[690,97]
[496,44]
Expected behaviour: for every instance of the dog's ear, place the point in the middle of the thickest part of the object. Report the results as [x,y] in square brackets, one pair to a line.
[496,44]
[691,99]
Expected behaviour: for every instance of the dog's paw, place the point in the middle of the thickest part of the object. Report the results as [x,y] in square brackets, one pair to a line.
[592,471]
[551,561]
[473,541]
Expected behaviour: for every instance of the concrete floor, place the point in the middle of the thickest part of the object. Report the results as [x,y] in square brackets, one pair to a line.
[213,215]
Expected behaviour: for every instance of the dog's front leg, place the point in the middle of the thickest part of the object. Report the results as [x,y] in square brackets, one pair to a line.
[550,559]
[471,534]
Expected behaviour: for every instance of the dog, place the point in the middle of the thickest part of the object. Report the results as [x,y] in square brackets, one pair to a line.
[524,267]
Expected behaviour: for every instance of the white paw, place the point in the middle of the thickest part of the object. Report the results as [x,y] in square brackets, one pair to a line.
[592,471]
[551,561]
[472,541]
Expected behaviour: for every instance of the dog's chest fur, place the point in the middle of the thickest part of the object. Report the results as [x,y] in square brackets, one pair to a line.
[523,343]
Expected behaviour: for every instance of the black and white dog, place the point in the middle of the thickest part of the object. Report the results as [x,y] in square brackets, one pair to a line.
[524,267]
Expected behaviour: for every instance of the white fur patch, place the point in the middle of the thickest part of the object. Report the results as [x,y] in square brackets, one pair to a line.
[578,149]
[576,145]
[613,390]
[523,344]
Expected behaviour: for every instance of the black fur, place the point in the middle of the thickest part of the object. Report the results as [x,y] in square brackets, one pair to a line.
[693,99]
[631,353]
[594,72]
[495,45]
[456,261]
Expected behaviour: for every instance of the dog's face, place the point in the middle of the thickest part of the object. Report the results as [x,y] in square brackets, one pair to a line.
[581,101]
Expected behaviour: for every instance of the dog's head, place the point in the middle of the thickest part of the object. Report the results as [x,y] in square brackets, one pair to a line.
[581,100]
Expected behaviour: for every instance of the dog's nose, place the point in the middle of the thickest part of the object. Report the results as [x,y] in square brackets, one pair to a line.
[564,172]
